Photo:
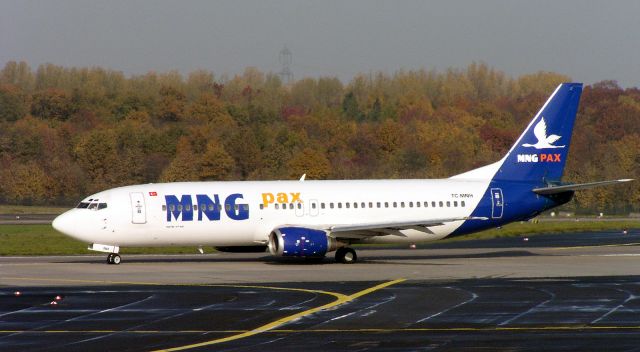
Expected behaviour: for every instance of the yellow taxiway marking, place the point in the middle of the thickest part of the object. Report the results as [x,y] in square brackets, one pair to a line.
[142,283]
[339,299]
[274,324]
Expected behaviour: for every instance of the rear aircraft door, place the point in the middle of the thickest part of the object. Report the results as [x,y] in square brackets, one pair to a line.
[497,203]
[138,211]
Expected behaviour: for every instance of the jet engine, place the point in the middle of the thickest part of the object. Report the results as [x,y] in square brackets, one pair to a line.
[301,242]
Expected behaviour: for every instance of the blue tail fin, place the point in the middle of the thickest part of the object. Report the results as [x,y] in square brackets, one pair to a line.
[541,151]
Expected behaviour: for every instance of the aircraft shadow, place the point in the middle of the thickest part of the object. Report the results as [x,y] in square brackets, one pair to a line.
[267,259]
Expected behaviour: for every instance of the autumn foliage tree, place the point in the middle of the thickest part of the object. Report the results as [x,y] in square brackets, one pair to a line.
[68,132]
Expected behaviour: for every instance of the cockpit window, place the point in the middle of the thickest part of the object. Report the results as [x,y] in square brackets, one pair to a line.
[92,205]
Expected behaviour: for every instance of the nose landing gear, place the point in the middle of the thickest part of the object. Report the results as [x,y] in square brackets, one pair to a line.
[114,258]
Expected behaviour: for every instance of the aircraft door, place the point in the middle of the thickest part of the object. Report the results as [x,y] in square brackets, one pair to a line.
[138,211]
[497,203]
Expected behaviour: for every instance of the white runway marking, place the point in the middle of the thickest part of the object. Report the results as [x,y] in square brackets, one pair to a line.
[630,297]
[473,297]
[532,309]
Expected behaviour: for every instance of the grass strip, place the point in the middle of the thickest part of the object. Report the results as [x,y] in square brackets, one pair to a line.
[44,240]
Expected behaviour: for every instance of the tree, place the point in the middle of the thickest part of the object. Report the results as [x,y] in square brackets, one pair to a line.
[25,184]
[172,104]
[13,104]
[311,162]
[52,103]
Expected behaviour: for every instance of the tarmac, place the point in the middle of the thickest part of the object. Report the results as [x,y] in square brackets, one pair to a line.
[565,292]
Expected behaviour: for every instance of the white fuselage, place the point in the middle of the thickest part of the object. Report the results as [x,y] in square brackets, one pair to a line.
[141,216]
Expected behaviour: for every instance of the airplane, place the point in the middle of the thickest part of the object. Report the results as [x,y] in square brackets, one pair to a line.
[310,218]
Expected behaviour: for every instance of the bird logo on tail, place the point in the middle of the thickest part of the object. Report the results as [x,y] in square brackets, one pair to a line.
[544,141]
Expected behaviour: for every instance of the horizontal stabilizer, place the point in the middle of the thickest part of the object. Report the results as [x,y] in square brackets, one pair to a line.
[577,186]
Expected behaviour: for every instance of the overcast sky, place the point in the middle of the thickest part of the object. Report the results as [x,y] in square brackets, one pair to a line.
[587,40]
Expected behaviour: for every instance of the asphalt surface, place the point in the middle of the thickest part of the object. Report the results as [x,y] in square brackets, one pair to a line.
[26,219]
[577,292]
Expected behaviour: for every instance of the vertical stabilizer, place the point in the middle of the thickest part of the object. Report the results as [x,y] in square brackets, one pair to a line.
[540,153]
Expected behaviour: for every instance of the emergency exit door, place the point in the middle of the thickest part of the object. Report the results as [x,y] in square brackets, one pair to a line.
[138,211]
[497,203]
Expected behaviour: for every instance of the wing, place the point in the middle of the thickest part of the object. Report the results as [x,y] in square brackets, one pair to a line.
[540,131]
[552,138]
[576,187]
[362,230]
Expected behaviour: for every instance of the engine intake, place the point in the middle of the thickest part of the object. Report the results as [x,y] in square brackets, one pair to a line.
[301,242]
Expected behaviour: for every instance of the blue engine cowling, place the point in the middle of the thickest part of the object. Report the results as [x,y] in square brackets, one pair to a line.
[300,242]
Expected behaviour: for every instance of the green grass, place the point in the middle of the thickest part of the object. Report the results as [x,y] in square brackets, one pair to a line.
[26,209]
[44,240]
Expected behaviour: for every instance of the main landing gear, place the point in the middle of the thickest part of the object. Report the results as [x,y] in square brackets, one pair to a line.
[114,258]
[346,255]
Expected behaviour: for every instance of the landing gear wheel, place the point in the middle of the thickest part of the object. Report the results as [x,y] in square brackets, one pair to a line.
[116,259]
[346,255]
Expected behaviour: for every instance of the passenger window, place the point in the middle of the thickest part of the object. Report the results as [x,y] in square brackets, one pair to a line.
[433,204]
[300,205]
[386,204]
[172,207]
[331,205]
[236,207]
[417,204]
[462,203]
[276,205]
[290,205]
[322,205]
[339,205]
[313,205]
[245,206]
[164,207]
[261,206]
[455,203]
[395,204]
[195,207]
[180,207]
[440,204]
[187,207]
[378,204]
[347,204]
[355,204]
[210,207]
[402,204]
[227,207]
[448,204]
[426,204]
[410,204]
[370,204]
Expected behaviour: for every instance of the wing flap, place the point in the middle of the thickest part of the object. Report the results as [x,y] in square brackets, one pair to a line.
[420,225]
[576,187]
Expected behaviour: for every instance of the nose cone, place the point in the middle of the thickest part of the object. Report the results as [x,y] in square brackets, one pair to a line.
[64,223]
